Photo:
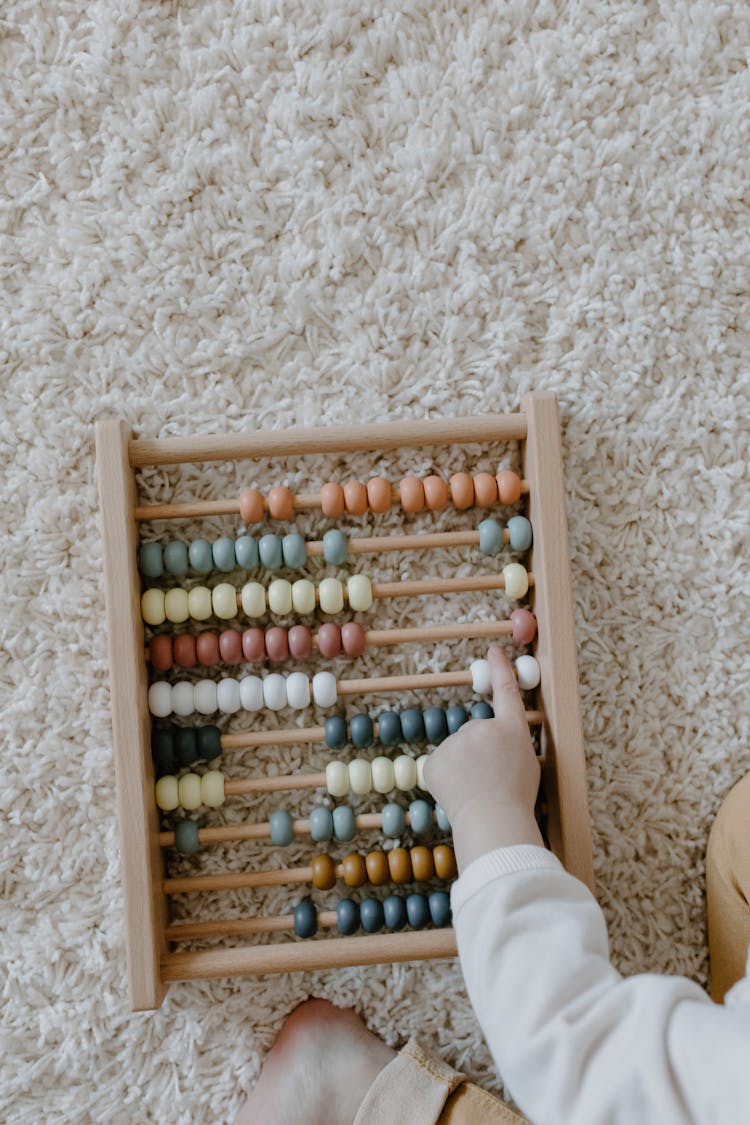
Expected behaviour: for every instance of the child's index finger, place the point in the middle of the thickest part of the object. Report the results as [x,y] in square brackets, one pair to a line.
[506,696]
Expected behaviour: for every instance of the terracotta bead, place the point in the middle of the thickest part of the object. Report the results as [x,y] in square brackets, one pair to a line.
[508,487]
[183,651]
[299,639]
[411,491]
[353,638]
[399,865]
[207,648]
[251,505]
[254,645]
[379,494]
[277,643]
[355,498]
[377,868]
[280,503]
[355,871]
[422,864]
[445,862]
[462,491]
[329,640]
[332,500]
[230,646]
[323,872]
[160,652]
[524,626]
[485,490]
[435,493]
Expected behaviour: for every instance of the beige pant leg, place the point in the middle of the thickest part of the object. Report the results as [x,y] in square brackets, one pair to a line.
[728,890]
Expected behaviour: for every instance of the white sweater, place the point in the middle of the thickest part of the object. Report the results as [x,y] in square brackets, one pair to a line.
[575,1042]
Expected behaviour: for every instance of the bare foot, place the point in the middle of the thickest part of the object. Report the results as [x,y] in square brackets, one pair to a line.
[318,1070]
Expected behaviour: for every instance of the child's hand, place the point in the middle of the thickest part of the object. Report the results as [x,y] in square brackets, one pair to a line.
[486,775]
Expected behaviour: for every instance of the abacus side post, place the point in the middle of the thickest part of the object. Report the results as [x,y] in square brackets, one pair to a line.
[141,858]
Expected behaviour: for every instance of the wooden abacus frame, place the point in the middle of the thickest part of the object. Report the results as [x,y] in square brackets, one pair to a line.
[151,963]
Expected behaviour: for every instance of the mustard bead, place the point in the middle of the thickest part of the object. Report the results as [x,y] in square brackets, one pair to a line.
[280,596]
[167,793]
[212,789]
[359,592]
[152,607]
[200,607]
[516,580]
[253,597]
[303,596]
[224,601]
[176,605]
[189,787]
[331,595]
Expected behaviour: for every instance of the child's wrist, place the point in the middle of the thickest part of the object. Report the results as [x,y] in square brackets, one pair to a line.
[484,824]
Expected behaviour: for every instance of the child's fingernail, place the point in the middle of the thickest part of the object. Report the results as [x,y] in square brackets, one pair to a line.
[495,652]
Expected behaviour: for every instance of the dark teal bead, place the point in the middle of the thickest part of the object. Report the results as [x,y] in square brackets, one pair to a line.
[223,554]
[344,823]
[246,552]
[305,919]
[439,903]
[150,560]
[186,836]
[361,731]
[336,734]
[490,537]
[394,820]
[389,728]
[482,711]
[394,912]
[371,915]
[294,551]
[321,825]
[442,820]
[201,556]
[455,717]
[347,916]
[269,550]
[186,745]
[162,749]
[417,911]
[209,742]
[176,558]
[520,533]
[435,725]
[282,828]
[334,547]
[420,817]
[412,725]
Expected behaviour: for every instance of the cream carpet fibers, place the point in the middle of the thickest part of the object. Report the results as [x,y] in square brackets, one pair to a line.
[222,215]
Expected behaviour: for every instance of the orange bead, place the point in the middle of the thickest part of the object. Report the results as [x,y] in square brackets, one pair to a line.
[422,864]
[435,493]
[379,494]
[377,868]
[280,503]
[251,505]
[355,871]
[399,865]
[485,490]
[332,500]
[323,872]
[411,491]
[355,498]
[462,491]
[508,487]
[445,862]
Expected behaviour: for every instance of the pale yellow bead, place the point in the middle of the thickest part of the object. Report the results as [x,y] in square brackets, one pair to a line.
[331,595]
[421,761]
[516,580]
[303,596]
[212,789]
[176,605]
[280,596]
[405,772]
[152,607]
[224,601]
[337,779]
[359,592]
[383,780]
[190,791]
[253,599]
[360,776]
[199,603]
[167,793]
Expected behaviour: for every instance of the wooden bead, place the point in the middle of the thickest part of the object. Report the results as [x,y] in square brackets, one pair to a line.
[329,640]
[360,776]
[435,493]
[485,490]
[355,497]
[411,491]
[462,491]
[280,503]
[277,643]
[230,646]
[279,596]
[445,862]
[377,868]
[199,603]
[359,592]
[523,623]
[167,793]
[337,778]
[399,865]
[253,645]
[212,789]
[224,601]
[207,649]
[303,596]
[516,580]
[183,698]
[323,872]
[253,597]
[331,595]
[332,500]
[527,672]
[508,487]
[299,639]
[354,870]
[176,605]
[152,607]
[160,652]
[183,649]
[160,699]
[251,505]
[353,638]
[422,864]
[378,494]
[189,790]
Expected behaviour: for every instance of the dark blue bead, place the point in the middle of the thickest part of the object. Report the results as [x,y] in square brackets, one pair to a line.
[347,916]
[482,711]
[417,911]
[162,748]
[209,742]
[305,919]
[435,725]
[360,729]
[455,717]
[186,745]
[412,725]
[186,836]
[336,734]
[439,903]
[371,915]
[394,912]
[389,728]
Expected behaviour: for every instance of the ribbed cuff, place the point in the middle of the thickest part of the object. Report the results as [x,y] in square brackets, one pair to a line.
[495,864]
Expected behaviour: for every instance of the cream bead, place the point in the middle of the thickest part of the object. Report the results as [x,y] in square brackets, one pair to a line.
[280,596]
[516,580]
[228,695]
[527,670]
[324,689]
[205,697]
[176,605]
[331,595]
[337,779]
[212,789]
[359,592]
[303,596]
[189,787]
[251,693]
[383,778]
[405,772]
[167,793]
[274,691]
[152,607]
[421,761]
[200,606]
[224,601]
[298,690]
[480,676]
[360,776]
[253,597]
[160,699]
[183,698]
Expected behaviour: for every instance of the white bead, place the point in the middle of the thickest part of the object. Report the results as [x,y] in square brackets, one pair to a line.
[298,690]
[480,676]
[405,772]
[224,601]
[189,787]
[303,596]
[152,607]
[359,592]
[337,779]
[324,689]
[199,603]
[360,776]
[212,789]
[167,793]
[160,699]
[516,580]
[280,596]
[205,697]
[527,670]
[251,693]
[331,595]
[253,597]
[421,760]
[274,691]
[383,778]
[176,605]
[228,695]
[183,702]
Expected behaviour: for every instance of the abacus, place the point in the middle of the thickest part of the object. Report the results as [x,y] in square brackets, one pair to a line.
[163,695]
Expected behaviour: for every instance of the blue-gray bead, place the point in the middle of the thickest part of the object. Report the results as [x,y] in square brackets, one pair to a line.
[361,731]
[209,742]
[442,820]
[435,725]
[490,537]
[482,710]
[176,558]
[371,915]
[150,560]
[394,912]
[389,728]
[412,725]
[186,836]
[321,824]
[336,734]
[394,820]
[347,916]
[294,551]
[439,903]
[420,817]
[455,717]
[200,556]
[223,554]
[269,550]
[162,748]
[344,824]
[521,535]
[186,745]
[417,911]
[305,919]
[334,547]
[282,827]
[246,552]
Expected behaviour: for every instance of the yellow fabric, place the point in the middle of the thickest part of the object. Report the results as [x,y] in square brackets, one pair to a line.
[728,890]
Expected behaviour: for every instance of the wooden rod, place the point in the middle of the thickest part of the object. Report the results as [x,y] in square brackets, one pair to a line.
[275,784]
[224,833]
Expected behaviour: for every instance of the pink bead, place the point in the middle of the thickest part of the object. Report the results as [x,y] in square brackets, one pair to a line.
[207,648]
[254,645]
[160,652]
[524,626]
[329,640]
[184,652]
[299,639]
[230,646]
[353,639]
[277,643]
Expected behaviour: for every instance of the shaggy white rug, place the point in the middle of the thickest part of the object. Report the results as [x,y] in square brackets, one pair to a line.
[221,215]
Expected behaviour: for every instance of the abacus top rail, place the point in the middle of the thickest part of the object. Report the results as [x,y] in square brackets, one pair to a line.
[326,439]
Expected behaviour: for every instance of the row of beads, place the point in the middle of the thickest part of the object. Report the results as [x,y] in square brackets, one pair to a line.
[377,495]
[393,913]
[400,865]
